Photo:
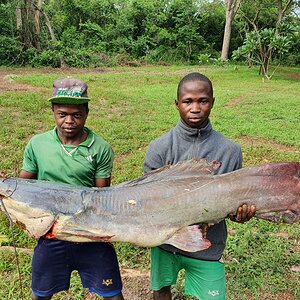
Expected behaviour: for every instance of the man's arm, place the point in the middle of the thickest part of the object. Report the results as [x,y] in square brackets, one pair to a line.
[27,175]
[153,159]
[99,182]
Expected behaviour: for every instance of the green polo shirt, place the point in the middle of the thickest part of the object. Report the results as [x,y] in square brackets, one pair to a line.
[47,157]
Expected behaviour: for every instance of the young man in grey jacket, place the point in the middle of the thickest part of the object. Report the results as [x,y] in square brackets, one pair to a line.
[194,137]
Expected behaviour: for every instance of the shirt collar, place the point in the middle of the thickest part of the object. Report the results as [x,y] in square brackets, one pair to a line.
[190,134]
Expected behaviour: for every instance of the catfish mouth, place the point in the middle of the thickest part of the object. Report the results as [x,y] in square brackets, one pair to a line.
[52,232]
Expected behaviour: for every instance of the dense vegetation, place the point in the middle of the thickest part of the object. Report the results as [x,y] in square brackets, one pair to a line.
[113,32]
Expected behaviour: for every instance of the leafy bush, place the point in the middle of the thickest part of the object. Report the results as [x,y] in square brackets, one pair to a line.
[291,59]
[204,58]
[164,54]
[28,56]
[85,57]
[10,49]
[94,35]
[7,19]
[47,58]
[124,59]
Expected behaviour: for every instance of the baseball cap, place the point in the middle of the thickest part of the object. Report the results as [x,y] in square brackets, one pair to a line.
[69,91]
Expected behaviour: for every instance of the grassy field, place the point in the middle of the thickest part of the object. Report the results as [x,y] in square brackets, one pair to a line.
[132,106]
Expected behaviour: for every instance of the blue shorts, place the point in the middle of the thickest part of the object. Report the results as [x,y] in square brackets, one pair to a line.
[53,262]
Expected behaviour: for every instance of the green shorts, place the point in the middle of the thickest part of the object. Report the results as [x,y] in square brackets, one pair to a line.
[203,279]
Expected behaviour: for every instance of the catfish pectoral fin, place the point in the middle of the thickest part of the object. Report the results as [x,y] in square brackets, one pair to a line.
[189,239]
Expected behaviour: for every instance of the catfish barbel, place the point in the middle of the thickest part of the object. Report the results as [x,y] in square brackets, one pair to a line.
[160,207]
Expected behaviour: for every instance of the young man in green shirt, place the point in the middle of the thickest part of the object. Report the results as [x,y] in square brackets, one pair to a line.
[71,153]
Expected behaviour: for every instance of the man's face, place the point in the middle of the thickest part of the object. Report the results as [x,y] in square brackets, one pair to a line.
[194,103]
[70,120]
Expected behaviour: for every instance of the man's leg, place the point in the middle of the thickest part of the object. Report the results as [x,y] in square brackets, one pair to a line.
[164,271]
[98,268]
[116,297]
[50,269]
[205,279]
[163,294]
[35,297]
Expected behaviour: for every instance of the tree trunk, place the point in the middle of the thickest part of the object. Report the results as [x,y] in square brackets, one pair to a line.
[227,35]
[53,38]
[37,25]
[19,18]
[231,7]
[27,31]
[282,10]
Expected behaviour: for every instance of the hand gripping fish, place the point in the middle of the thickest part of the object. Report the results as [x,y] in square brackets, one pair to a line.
[160,207]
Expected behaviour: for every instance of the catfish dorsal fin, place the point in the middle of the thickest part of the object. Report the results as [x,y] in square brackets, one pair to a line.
[185,168]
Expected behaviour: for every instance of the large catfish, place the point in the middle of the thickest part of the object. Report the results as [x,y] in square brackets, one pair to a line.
[160,207]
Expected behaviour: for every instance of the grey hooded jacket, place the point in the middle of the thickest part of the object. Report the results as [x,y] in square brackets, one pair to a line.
[182,143]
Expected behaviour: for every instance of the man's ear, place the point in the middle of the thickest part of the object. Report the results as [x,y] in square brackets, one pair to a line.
[176,103]
[213,102]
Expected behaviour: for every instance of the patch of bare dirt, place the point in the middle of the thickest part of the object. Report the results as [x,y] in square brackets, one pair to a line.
[293,75]
[136,284]
[7,73]
[235,101]
[8,85]
[286,295]
[8,82]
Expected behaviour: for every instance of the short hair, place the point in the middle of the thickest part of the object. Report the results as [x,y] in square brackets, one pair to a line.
[85,105]
[195,76]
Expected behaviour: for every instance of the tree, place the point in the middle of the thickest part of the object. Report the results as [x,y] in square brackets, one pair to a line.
[261,45]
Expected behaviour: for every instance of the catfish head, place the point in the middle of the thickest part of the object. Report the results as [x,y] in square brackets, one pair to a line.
[34,220]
